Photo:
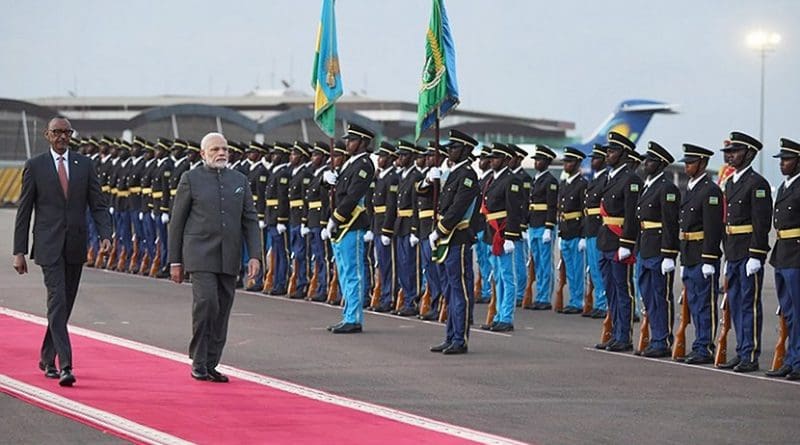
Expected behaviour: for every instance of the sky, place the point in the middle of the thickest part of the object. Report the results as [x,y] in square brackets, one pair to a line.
[568,60]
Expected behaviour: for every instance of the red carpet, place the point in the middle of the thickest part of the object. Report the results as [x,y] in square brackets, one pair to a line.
[246,410]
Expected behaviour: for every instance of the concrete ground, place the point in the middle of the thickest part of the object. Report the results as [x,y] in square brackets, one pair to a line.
[540,384]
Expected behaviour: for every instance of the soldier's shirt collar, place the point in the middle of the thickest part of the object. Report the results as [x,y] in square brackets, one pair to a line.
[739,174]
[136,160]
[353,159]
[462,163]
[650,181]
[386,171]
[162,160]
[539,175]
[486,173]
[572,178]
[612,173]
[180,161]
[788,181]
[497,174]
[600,173]
[694,182]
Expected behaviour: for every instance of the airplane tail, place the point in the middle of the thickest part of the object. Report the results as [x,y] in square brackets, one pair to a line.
[629,118]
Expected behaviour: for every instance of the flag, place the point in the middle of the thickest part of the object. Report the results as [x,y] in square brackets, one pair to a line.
[326,80]
[439,92]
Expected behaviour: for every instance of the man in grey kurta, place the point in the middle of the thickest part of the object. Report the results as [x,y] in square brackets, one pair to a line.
[213,210]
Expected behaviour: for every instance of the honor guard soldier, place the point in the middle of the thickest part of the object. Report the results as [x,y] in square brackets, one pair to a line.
[657,248]
[93,239]
[257,178]
[236,161]
[146,208]
[349,223]
[452,241]
[135,203]
[591,225]
[385,192]
[747,223]
[501,207]
[482,249]
[317,212]
[406,241]
[431,270]
[298,239]
[571,194]
[786,255]
[542,222]
[277,199]
[700,237]
[616,240]
[121,208]
[160,184]
[521,250]
[635,160]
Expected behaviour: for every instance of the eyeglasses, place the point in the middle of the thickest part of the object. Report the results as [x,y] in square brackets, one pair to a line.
[61,132]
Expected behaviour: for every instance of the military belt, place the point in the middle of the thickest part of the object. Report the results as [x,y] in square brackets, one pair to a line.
[537,207]
[496,215]
[147,190]
[157,195]
[379,209]
[105,188]
[645,225]
[315,205]
[613,220]
[296,203]
[173,192]
[426,213]
[692,236]
[739,230]
[135,189]
[571,215]
[405,213]
[272,202]
[123,194]
[255,197]
[592,211]
[789,233]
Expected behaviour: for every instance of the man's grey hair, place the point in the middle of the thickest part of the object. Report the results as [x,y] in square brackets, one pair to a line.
[207,138]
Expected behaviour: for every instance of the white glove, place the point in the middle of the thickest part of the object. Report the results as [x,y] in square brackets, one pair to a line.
[708,270]
[368,236]
[261,225]
[432,238]
[164,218]
[330,177]
[331,226]
[683,275]
[433,174]
[304,230]
[547,236]
[724,269]
[111,210]
[324,234]
[525,235]
[508,246]
[667,266]
[752,266]
[581,244]
[413,240]
[385,240]
[141,216]
[281,228]
[623,252]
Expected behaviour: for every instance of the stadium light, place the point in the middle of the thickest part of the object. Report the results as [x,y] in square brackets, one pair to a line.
[764,42]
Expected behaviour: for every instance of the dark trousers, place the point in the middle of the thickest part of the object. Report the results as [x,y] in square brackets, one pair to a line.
[787,283]
[459,296]
[744,298]
[163,241]
[408,269]
[300,253]
[701,293]
[434,272]
[280,245]
[658,300]
[61,280]
[212,299]
[388,271]
[618,279]
[321,255]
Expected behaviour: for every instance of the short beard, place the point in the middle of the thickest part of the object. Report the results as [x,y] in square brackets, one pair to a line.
[216,164]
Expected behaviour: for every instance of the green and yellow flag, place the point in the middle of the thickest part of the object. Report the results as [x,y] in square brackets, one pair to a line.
[439,92]
[326,79]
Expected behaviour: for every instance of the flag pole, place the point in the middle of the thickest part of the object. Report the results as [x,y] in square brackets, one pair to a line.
[437,164]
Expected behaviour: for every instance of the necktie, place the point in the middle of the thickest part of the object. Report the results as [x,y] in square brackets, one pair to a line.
[62,175]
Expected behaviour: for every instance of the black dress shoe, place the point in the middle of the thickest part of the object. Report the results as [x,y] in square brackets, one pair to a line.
[382,309]
[530,307]
[406,312]
[336,302]
[488,327]
[587,314]
[617,346]
[542,306]
[502,327]
[217,377]
[318,298]
[730,364]
[783,371]
[569,310]
[698,359]
[254,288]
[482,300]
[66,378]
[278,292]
[603,345]
[794,375]
[200,374]
[455,349]
[636,319]
[431,315]
[440,347]
[746,366]
[298,294]
[599,313]
[337,325]
[656,352]
[347,328]
[51,372]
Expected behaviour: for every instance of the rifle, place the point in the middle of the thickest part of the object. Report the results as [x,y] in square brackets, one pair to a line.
[122,260]
[112,256]
[492,310]
[442,311]
[144,267]
[155,265]
[134,261]
[780,346]
[588,298]
[375,301]
[527,298]
[644,334]
[270,276]
[720,356]
[425,300]
[401,300]
[478,286]
[333,288]
[679,349]
[100,260]
[605,332]
[90,257]
[558,304]
[293,278]
[313,284]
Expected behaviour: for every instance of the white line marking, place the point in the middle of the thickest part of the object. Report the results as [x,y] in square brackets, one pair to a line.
[311,393]
[93,416]
[698,367]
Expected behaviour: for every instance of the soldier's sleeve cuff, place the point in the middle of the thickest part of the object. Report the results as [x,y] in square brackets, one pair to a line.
[709,257]
[626,243]
[339,217]
[511,235]
[442,229]
[549,224]
[387,232]
[669,253]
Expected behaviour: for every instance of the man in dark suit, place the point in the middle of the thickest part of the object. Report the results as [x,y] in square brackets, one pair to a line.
[59,185]
[212,212]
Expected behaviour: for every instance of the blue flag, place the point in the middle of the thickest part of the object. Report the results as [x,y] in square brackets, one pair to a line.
[326,80]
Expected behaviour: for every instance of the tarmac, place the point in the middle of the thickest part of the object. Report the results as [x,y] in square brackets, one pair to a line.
[542,383]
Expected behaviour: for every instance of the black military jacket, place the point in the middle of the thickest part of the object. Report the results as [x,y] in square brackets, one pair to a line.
[406,202]
[620,197]
[135,177]
[299,180]
[658,205]
[459,194]
[257,178]
[749,203]
[181,166]
[701,216]
[543,201]
[160,184]
[504,194]
[147,184]
[570,207]
[122,197]
[424,221]
[351,192]
[384,193]
[591,205]
[786,253]
[276,195]
[317,199]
